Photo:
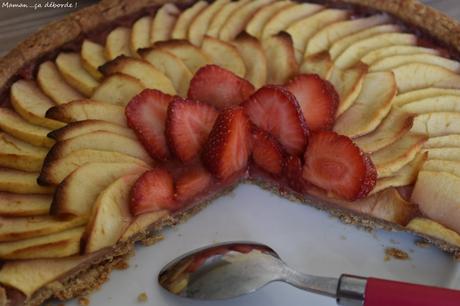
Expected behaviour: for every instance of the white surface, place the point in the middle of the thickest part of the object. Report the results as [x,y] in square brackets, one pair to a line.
[306,238]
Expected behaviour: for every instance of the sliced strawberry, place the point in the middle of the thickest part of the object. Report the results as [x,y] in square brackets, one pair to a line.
[275,110]
[146,115]
[317,99]
[192,183]
[219,87]
[188,125]
[267,152]
[293,174]
[229,144]
[334,163]
[153,191]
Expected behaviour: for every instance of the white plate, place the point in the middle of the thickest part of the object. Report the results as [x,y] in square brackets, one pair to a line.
[306,238]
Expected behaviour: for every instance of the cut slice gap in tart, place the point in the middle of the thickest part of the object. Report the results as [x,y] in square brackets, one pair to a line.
[118,43]
[118,89]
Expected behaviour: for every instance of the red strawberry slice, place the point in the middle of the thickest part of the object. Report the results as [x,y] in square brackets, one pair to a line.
[267,152]
[334,163]
[188,125]
[219,87]
[146,115]
[293,174]
[153,191]
[229,144]
[275,110]
[317,99]
[192,183]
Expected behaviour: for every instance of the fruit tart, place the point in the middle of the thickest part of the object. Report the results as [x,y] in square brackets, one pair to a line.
[130,116]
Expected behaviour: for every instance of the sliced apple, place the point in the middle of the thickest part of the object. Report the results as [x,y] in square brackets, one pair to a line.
[263,15]
[163,23]
[392,158]
[86,110]
[118,89]
[140,34]
[302,30]
[118,43]
[224,54]
[24,205]
[431,228]
[320,64]
[392,128]
[57,245]
[54,86]
[420,94]
[147,74]
[221,17]
[327,36]
[437,124]
[21,182]
[382,53]
[281,62]
[93,177]
[199,25]
[287,16]
[254,58]
[55,172]
[452,154]
[92,57]
[193,57]
[20,155]
[439,165]
[392,62]
[142,222]
[434,104]
[370,108]
[448,141]
[79,128]
[187,16]
[31,104]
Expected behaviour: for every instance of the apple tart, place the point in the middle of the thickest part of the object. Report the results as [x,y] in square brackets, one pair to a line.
[134,115]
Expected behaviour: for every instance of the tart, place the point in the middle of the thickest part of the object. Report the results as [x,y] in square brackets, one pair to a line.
[133,116]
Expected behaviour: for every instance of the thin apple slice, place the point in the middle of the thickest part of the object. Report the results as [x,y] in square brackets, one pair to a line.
[163,23]
[21,182]
[54,86]
[185,19]
[14,229]
[427,76]
[254,58]
[101,141]
[392,128]
[20,155]
[370,108]
[236,23]
[326,37]
[14,125]
[287,16]
[93,177]
[118,89]
[92,57]
[263,15]
[432,105]
[142,222]
[199,25]
[110,211]
[437,124]
[439,165]
[219,19]
[79,128]
[348,83]
[281,62]
[448,141]
[452,154]
[55,172]
[394,61]
[420,94]
[392,158]
[24,205]
[353,53]
[117,43]
[381,53]
[193,57]
[147,74]
[320,64]
[31,104]
[224,54]
[71,68]
[302,30]
[57,245]
[86,110]
[140,35]
[172,66]
[431,228]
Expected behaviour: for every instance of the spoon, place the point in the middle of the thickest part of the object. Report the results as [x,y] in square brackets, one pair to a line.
[228,270]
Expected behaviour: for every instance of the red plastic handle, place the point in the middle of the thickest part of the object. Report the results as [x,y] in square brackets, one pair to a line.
[381,292]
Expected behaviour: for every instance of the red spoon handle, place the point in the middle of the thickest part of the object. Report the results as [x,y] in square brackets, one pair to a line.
[381,292]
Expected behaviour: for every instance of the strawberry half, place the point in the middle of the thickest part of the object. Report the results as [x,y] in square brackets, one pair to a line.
[267,152]
[229,144]
[317,99]
[293,174]
[192,183]
[219,87]
[334,163]
[146,115]
[275,110]
[153,191]
[188,125]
